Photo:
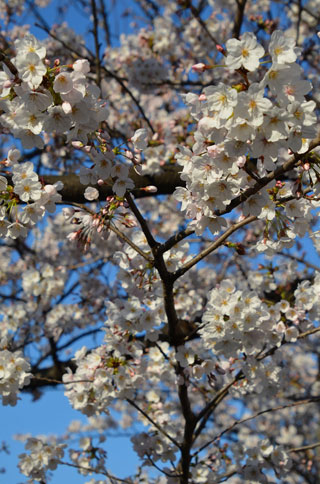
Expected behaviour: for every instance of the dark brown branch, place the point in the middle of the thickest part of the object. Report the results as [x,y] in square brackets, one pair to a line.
[239,18]
[305,447]
[273,175]
[96,40]
[217,243]
[175,239]
[150,239]
[8,63]
[261,412]
[195,12]
[105,23]
[165,180]
[125,239]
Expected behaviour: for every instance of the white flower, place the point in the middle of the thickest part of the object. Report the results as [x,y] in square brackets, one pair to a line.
[222,99]
[23,172]
[81,65]
[31,213]
[182,195]
[57,120]
[17,230]
[13,157]
[63,83]
[3,183]
[6,80]
[28,189]
[252,105]
[121,186]
[140,139]
[30,121]
[42,457]
[282,48]
[91,193]
[34,101]
[14,374]
[244,53]
[29,44]
[31,69]
[49,196]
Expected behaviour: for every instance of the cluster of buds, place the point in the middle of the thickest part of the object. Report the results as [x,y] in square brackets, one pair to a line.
[90,224]
[264,24]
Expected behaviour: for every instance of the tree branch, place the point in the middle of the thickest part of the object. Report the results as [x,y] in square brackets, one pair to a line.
[217,243]
[261,412]
[155,424]
[239,18]
[96,40]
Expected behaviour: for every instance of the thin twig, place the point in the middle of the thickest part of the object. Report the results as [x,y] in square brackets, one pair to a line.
[155,424]
[159,468]
[261,412]
[125,239]
[217,243]
[301,260]
[96,40]
[273,175]
[174,239]
[196,14]
[305,447]
[91,469]
[104,16]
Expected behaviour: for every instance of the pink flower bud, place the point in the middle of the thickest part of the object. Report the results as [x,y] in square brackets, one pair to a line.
[150,189]
[220,49]
[129,154]
[73,236]
[202,97]
[199,67]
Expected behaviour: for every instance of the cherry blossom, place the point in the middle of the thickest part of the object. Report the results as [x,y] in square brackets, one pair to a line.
[157,190]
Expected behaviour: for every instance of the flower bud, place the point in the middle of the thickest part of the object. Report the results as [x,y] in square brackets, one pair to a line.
[201,67]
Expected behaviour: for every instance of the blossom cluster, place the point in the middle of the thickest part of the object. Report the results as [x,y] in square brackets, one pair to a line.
[238,322]
[14,374]
[40,101]
[48,100]
[26,188]
[256,119]
[101,376]
[40,458]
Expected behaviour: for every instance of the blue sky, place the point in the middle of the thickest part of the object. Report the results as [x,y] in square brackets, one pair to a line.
[51,415]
